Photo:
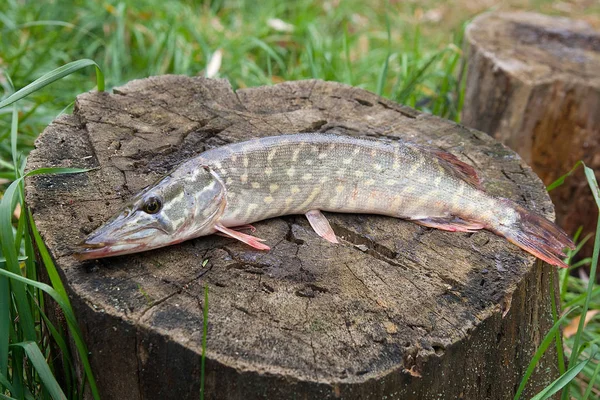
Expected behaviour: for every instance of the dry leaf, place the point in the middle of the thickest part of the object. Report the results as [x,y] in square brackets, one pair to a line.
[212,69]
[571,329]
[279,25]
[433,15]
[17,212]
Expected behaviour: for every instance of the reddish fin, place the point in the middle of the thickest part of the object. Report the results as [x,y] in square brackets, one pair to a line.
[249,227]
[461,169]
[452,224]
[249,240]
[536,235]
[320,224]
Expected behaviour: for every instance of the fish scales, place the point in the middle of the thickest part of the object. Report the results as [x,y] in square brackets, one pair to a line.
[225,189]
[330,173]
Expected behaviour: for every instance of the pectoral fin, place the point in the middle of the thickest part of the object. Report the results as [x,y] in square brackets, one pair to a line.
[320,224]
[242,237]
[450,224]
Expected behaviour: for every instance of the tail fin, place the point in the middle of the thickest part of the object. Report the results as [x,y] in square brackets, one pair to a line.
[537,235]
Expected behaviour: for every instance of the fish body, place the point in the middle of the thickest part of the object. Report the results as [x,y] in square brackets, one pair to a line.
[238,184]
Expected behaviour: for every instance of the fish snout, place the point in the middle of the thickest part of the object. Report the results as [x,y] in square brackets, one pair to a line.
[85,244]
[97,244]
[90,247]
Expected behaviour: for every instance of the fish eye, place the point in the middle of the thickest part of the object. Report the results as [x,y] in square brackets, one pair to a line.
[152,205]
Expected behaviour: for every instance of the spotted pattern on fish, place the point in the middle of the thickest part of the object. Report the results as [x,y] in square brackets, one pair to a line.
[368,179]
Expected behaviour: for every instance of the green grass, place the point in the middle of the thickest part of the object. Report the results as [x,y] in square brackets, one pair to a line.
[391,48]
[585,294]
[204,334]
[25,343]
[349,43]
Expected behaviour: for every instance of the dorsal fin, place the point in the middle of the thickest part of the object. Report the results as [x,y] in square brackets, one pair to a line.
[462,170]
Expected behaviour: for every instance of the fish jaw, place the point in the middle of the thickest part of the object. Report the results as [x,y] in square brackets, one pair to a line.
[86,252]
[101,246]
[93,247]
[121,236]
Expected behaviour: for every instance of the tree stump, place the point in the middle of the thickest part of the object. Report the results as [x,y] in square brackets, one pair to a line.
[533,83]
[394,311]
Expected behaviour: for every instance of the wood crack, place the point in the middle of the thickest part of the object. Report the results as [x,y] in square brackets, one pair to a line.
[312,347]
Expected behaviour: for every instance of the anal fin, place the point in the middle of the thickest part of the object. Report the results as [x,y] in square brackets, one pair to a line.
[321,226]
[452,224]
[242,237]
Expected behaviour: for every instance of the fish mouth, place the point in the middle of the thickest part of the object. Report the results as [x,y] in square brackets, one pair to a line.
[112,240]
[88,251]
[84,244]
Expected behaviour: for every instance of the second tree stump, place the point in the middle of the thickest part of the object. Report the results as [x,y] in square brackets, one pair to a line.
[533,83]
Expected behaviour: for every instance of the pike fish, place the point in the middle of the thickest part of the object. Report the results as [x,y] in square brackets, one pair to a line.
[225,189]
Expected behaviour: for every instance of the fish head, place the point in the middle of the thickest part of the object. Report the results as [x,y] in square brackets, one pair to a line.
[178,207]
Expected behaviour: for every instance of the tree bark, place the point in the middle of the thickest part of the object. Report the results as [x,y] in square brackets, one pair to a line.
[394,311]
[533,83]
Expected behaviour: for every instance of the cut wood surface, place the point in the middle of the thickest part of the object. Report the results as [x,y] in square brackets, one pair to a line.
[395,310]
[533,82]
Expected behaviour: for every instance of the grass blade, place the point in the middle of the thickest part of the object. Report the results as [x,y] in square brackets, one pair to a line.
[59,294]
[61,24]
[5,325]
[561,180]
[384,69]
[382,76]
[591,179]
[581,298]
[41,366]
[311,60]
[7,239]
[567,273]
[588,391]
[4,382]
[64,351]
[13,137]
[204,334]
[11,261]
[53,76]
[65,304]
[347,60]
[62,345]
[550,335]
[256,42]
[576,348]
[69,316]
[416,77]
[557,338]
[564,380]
